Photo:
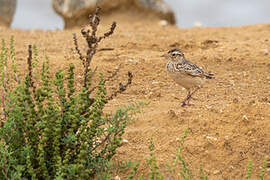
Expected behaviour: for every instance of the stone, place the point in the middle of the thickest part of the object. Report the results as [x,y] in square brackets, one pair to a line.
[76,12]
[7,11]
[163,23]
[264,52]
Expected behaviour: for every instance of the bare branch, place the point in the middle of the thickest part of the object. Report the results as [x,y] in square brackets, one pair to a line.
[78,50]
[92,40]
[109,33]
[94,21]
[122,87]
[106,49]
[30,69]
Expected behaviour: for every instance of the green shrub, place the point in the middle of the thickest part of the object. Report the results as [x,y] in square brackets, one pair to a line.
[50,131]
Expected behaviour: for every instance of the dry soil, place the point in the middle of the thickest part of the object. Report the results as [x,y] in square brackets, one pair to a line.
[229,123]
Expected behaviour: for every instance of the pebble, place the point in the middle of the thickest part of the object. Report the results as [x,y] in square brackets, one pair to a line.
[125,141]
[163,23]
[210,139]
[216,172]
[132,61]
[245,117]
[264,52]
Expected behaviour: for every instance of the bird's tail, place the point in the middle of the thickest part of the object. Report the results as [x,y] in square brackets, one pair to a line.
[209,76]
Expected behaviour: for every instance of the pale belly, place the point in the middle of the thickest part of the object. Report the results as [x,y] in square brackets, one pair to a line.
[187,81]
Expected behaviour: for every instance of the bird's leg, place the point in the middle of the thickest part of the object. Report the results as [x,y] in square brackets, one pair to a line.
[194,93]
[183,103]
[189,97]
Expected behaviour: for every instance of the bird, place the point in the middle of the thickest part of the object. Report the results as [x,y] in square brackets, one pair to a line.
[185,73]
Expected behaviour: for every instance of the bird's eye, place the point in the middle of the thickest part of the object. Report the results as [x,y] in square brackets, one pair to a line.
[173,54]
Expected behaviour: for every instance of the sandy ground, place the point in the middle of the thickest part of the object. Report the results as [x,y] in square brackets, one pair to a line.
[228,124]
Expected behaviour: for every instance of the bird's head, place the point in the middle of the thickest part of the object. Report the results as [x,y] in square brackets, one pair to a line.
[174,55]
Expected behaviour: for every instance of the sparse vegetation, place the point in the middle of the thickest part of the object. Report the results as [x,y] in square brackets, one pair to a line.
[50,131]
[152,163]
[263,169]
[178,168]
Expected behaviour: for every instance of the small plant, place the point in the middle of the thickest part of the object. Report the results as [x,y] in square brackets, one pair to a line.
[50,131]
[249,170]
[185,172]
[154,173]
[202,174]
[177,168]
[263,169]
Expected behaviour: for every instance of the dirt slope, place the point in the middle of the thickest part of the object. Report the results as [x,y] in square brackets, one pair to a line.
[229,123]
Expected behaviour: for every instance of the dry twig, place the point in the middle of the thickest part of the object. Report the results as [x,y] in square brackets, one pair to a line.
[30,69]
[122,87]
[92,42]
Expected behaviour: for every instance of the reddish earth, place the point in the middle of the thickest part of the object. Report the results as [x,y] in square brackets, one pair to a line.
[228,124]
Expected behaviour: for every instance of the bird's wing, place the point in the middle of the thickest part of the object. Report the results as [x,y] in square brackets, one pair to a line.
[193,70]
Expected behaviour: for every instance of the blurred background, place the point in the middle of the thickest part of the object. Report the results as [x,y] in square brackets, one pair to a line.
[38,14]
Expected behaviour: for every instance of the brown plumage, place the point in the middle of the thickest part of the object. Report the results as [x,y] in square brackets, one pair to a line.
[185,73]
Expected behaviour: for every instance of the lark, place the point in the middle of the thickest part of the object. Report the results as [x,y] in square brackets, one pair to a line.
[185,73]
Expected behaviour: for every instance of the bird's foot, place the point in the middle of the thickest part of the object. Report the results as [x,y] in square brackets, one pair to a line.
[183,104]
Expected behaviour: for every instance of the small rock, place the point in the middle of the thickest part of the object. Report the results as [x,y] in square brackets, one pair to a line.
[154,94]
[125,141]
[133,61]
[116,68]
[154,82]
[216,172]
[245,117]
[117,178]
[249,133]
[230,59]
[264,52]
[211,139]
[163,23]
[235,100]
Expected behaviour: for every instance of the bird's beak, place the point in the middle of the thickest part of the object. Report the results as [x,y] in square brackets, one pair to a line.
[164,55]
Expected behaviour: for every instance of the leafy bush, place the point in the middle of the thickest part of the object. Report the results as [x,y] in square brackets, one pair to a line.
[50,131]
